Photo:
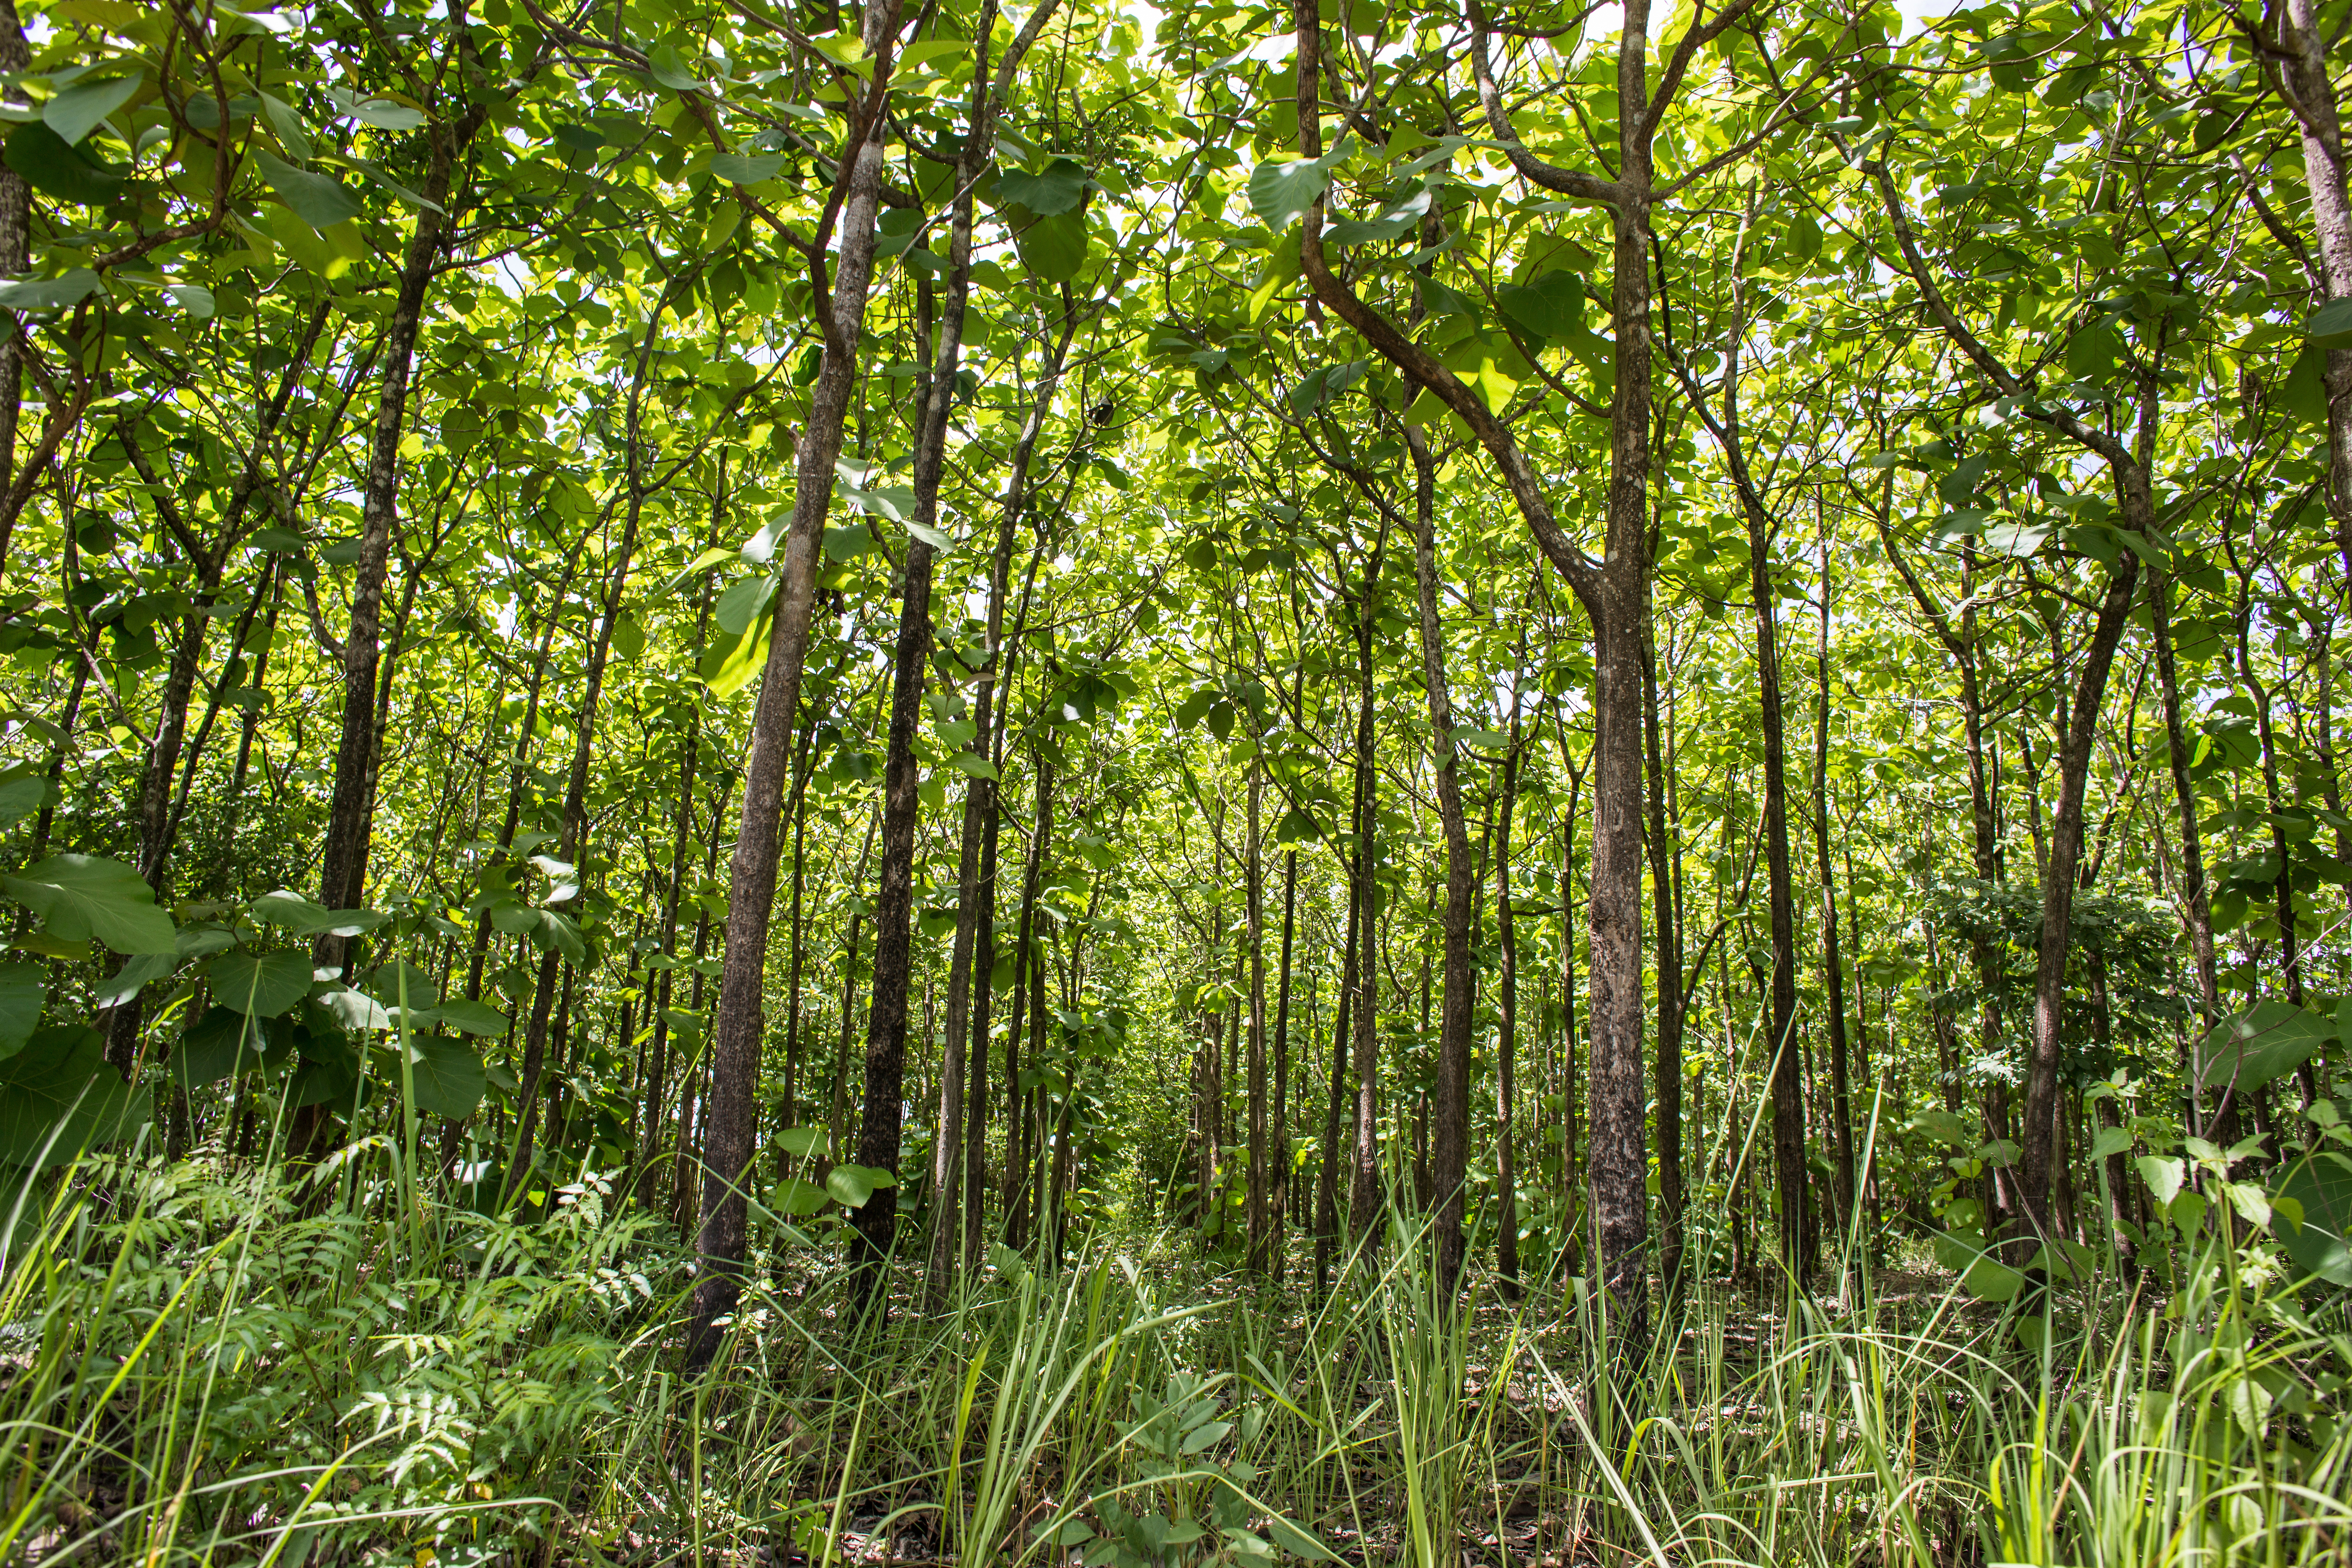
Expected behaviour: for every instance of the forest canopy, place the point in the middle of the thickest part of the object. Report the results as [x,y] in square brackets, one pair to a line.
[809,672]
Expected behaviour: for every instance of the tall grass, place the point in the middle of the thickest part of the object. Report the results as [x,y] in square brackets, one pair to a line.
[215,1362]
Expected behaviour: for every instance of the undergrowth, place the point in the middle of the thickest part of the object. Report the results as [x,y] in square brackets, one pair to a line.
[210,1362]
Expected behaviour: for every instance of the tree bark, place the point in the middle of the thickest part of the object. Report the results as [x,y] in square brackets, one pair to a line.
[1364,1177]
[1668,1085]
[752,874]
[1614,590]
[1450,1130]
[1326,1185]
[2302,72]
[2197,914]
[1832,960]
[1253,902]
[1507,1004]
[343,872]
[2039,1140]
[16,254]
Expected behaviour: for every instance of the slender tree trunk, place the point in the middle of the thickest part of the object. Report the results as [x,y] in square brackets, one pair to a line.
[1327,1185]
[1796,1242]
[15,254]
[1028,971]
[2308,85]
[1279,1200]
[1614,591]
[1256,1217]
[343,873]
[752,875]
[880,1130]
[1833,963]
[657,1084]
[2037,1165]
[1364,1184]
[1507,1026]
[1450,1130]
[2195,913]
[1668,1084]
[573,843]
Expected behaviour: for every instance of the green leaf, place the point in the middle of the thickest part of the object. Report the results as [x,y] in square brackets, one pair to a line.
[796,1197]
[800,1143]
[75,112]
[2163,1177]
[1056,189]
[2093,353]
[1552,308]
[2331,325]
[380,112]
[668,67]
[1205,1437]
[976,767]
[59,1097]
[2111,1140]
[2320,1185]
[745,168]
[291,133]
[20,797]
[472,1018]
[386,982]
[556,933]
[260,986]
[851,1185]
[2303,393]
[1054,247]
[84,897]
[222,1043]
[2267,1040]
[49,294]
[446,1076]
[746,599]
[56,168]
[1399,220]
[23,989]
[1281,190]
[331,1080]
[298,916]
[320,202]
[136,973]
[1990,1279]
[1296,1540]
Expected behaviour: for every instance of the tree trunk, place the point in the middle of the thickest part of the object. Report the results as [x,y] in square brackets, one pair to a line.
[342,871]
[1614,590]
[1364,1178]
[2037,1165]
[879,1131]
[2309,88]
[1450,1132]
[15,254]
[1506,1005]
[1668,1083]
[1326,1185]
[752,875]
[1797,1240]
[1833,962]
[1028,974]
[1254,907]
[1279,1200]
[572,843]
